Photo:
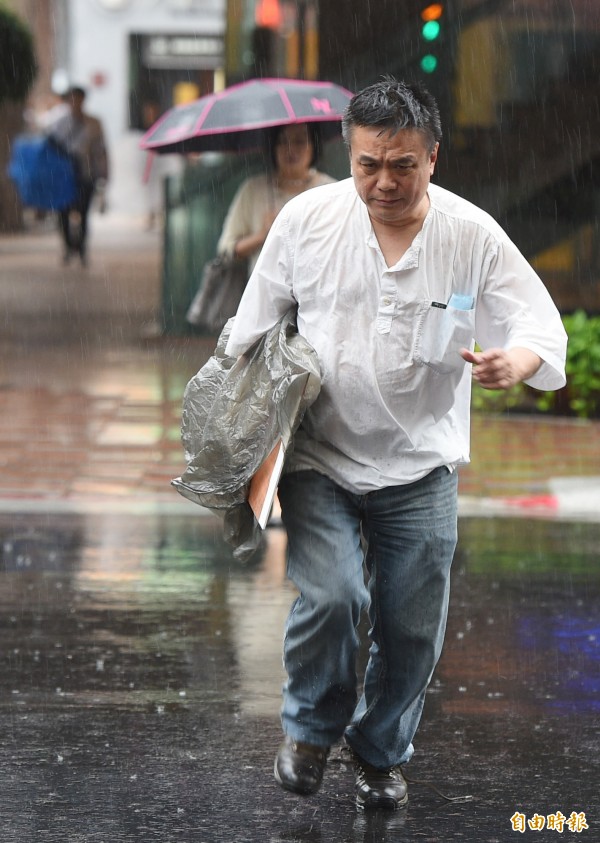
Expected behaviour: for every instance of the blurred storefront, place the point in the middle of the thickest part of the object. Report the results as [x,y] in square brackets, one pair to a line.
[137,58]
[171,69]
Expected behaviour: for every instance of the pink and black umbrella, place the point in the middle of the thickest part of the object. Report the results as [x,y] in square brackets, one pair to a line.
[237,119]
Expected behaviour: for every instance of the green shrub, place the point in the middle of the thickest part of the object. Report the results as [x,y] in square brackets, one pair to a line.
[581,396]
[583,368]
[18,66]
[497,400]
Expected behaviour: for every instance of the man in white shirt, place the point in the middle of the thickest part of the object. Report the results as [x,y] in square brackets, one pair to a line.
[394,279]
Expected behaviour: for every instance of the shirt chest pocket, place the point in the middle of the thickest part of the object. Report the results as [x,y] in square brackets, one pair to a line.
[442,330]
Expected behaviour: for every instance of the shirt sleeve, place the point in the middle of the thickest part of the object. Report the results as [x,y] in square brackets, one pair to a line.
[268,294]
[516,310]
[99,164]
[237,221]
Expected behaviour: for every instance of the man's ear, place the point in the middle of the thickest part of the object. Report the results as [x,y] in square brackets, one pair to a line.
[433,158]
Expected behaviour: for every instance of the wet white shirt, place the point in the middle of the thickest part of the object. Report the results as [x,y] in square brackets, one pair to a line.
[395,397]
[257,197]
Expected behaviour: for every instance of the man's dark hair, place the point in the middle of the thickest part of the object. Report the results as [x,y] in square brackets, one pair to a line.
[77,91]
[392,105]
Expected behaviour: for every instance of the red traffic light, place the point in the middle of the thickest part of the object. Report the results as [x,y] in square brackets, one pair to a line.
[432,12]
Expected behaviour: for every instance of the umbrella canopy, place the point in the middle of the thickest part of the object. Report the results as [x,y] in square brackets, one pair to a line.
[43,175]
[238,118]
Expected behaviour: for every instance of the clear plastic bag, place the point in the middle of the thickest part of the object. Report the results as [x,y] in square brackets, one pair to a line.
[235,410]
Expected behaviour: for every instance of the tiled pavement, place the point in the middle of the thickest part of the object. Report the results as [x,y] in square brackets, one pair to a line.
[92,397]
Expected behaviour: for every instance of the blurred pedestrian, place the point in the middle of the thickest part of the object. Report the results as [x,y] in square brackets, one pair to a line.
[394,278]
[80,136]
[293,152]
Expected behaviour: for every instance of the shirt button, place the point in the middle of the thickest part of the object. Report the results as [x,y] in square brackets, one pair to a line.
[386,301]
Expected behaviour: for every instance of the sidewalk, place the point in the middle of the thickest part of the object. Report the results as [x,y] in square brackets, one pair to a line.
[95,397]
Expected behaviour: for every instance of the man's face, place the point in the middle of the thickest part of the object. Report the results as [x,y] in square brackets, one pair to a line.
[76,100]
[392,173]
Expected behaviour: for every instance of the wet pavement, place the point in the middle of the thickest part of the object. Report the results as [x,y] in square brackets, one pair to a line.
[139,693]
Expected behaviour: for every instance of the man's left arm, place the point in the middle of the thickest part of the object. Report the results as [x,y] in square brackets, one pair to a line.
[496,368]
[98,151]
[517,326]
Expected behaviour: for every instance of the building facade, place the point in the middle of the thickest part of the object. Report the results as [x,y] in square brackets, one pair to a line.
[135,58]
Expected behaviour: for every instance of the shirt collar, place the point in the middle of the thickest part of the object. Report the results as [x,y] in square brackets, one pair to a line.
[410,259]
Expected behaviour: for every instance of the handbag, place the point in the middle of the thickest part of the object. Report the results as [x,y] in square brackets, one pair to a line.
[223,281]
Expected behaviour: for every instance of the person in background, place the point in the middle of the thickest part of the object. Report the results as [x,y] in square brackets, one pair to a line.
[294,151]
[394,279]
[80,136]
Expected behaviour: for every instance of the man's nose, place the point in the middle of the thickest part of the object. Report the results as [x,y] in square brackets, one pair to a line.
[386,180]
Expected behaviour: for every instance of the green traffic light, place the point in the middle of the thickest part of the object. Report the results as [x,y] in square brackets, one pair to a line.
[431,30]
[428,63]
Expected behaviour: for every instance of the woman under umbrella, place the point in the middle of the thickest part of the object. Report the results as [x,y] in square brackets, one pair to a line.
[294,150]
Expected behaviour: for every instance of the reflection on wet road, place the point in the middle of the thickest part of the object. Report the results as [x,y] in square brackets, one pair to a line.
[142,669]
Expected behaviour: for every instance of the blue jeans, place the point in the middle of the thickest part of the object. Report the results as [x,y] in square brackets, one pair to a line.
[404,537]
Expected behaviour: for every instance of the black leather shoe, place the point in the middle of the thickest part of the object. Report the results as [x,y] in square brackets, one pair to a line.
[379,788]
[299,767]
